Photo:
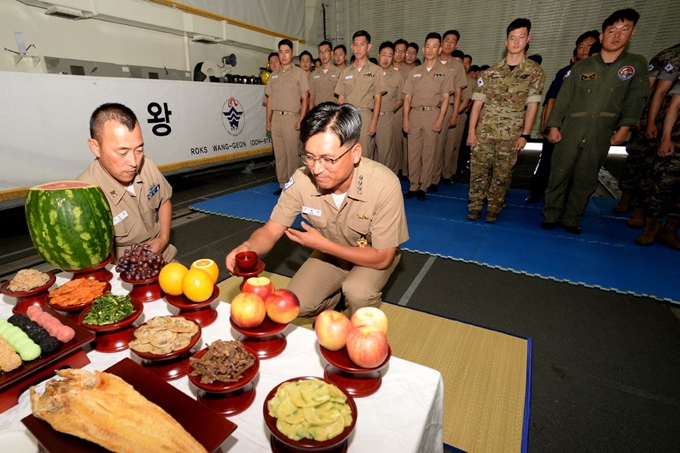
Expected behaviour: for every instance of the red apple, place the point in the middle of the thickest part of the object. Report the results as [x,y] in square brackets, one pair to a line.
[261,286]
[370,316]
[331,329]
[367,347]
[248,310]
[282,306]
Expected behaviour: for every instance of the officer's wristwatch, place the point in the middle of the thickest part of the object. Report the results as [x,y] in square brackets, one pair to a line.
[525,136]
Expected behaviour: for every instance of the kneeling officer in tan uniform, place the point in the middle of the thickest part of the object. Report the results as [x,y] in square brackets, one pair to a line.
[138,194]
[353,211]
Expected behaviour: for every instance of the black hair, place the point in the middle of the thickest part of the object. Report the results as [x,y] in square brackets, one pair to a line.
[325,43]
[452,32]
[414,45]
[458,54]
[536,57]
[386,45]
[417,62]
[589,34]
[519,23]
[468,56]
[285,42]
[474,68]
[484,67]
[304,52]
[273,54]
[621,15]
[595,48]
[360,34]
[111,111]
[341,46]
[400,41]
[342,120]
[434,35]
[373,60]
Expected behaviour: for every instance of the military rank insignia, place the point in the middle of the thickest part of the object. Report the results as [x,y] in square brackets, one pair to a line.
[589,76]
[362,242]
[369,74]
[439,74]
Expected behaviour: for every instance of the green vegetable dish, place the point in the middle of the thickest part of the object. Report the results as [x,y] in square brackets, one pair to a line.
[109,309]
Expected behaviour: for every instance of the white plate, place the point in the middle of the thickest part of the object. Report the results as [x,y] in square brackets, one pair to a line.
[18,441]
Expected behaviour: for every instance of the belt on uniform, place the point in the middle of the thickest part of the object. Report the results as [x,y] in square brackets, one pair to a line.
[364,109]
[425,108]
[385,112]
[283,112]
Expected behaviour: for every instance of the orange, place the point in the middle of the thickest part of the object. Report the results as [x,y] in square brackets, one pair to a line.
[208,266]
[170,278]
[197,285]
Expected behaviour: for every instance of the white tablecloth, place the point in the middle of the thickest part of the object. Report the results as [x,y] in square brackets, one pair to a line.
[405,415]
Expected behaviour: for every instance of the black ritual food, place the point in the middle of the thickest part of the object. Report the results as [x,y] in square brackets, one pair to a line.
[40,336]
[225,361]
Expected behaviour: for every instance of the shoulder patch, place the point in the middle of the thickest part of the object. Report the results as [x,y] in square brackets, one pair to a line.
[626,72]
[290,182]
[567,74]
[650,68]
[669,67]
[480,82]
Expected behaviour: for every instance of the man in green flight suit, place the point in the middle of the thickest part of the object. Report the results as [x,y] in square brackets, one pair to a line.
[601,99]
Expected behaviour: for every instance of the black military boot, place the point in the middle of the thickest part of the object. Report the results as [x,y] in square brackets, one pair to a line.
[668,234]
[651,230]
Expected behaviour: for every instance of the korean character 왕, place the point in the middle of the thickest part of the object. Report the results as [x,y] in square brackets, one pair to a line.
[159,115]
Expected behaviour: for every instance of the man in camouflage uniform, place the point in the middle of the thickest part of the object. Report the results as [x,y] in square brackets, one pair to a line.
[504,107]
[599,102]
[664,196]
[636,181]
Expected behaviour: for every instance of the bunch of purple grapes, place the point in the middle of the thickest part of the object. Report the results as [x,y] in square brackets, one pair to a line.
[140,263]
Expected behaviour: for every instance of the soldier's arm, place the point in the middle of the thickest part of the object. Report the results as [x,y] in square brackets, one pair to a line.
[437,127]
[562,101]
[634,99]
[377,100]
[456,106]
[474,119]
[303,109]
[660,91]
[667,148]
[529,118]
[269,114]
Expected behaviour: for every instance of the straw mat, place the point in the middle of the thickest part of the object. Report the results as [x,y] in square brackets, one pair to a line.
[485,372]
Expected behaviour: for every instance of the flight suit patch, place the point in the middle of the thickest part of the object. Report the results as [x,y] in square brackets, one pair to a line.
[589,76]
[669,67]
[626,72]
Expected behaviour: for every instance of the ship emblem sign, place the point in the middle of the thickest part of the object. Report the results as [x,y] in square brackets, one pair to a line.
[233,116]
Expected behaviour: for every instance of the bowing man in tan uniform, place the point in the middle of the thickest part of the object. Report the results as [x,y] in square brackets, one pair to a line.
[323,81]
[426,100]
[392,100]
[354,219]
[287,94]
[138,194]
[361,84]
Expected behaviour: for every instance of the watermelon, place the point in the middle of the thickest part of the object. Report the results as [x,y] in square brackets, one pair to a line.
[70,223]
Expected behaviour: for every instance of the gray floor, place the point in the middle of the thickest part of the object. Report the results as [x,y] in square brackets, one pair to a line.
[605,366]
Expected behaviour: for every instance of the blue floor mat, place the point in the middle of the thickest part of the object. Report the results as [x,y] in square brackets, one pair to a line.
[604,256]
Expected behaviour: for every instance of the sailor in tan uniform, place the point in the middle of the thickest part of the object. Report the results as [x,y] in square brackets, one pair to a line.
[138,194]
[385,138]
[445,145]
[400,140]
[323,81]
[361,84]
[287,94]
[427,92]
[354,219]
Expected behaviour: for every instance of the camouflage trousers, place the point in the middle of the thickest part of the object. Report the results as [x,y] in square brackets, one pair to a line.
[664,196]
[637,177]
[491,164]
